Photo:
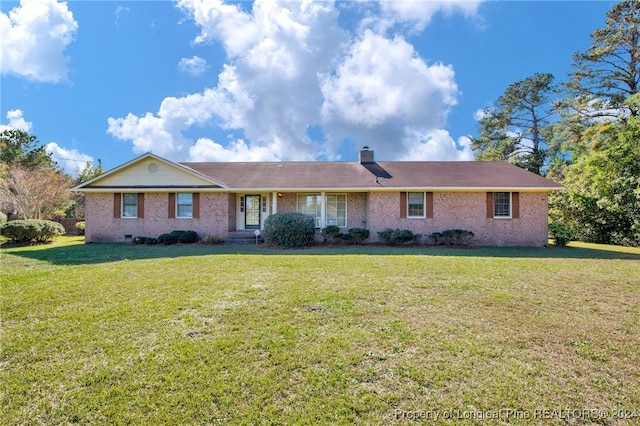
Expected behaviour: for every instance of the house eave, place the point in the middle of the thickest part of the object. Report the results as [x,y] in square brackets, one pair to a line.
[212,188]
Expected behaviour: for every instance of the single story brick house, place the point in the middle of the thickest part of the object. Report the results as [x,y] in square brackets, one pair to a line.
[500,203]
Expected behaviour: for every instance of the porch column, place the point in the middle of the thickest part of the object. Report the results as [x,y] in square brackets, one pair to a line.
[323,219]
[274,202]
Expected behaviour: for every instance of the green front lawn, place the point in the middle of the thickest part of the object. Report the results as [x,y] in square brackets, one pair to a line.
[122,334]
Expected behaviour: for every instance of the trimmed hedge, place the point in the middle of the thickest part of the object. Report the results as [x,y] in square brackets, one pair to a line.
[31,231]
[289,230]
[394,237]
[173,237]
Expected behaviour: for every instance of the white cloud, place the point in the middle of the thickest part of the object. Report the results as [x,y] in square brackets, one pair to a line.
[418,14]
[437,145]
[194,66]
[383,95]
[16,121]
[290,68]
[208,150]
[33,37]
[71,161]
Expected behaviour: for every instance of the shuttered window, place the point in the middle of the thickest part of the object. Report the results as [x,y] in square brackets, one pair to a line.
[184,205]
[129,205]
[505,205]
[416,205]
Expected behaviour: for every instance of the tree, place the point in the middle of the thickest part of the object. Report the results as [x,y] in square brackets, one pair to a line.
[76,209]
[603,198]
[18,147]
[34,194]
[609,71]
[514,128]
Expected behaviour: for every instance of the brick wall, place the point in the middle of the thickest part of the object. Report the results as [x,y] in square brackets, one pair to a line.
[376,211]
[101,226]
[466,210]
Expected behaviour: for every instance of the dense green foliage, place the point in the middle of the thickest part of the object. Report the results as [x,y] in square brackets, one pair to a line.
[19,148]
[31,231]
[331,233]
[590,130]
[603,200]
[513,129]
[359,235]
[80,227]
[289,230]
[394,237]
[174,237]
[561,233]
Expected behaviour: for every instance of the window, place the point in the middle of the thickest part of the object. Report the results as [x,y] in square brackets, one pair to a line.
[502,204]
[311,204]
[415,204]
[336,210]
[130,205]
[184,205]
[334,205]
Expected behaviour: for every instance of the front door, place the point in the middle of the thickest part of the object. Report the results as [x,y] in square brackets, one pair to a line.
[252,212]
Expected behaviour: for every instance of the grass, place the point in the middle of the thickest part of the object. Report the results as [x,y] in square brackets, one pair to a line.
[121,334]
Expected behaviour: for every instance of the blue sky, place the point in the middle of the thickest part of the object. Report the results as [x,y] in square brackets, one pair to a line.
[204,80]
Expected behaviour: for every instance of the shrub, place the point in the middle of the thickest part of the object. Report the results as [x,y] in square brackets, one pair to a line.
[211,239]
[394,237]
[33,230]
[561,233]
[188,237]
[138,240]
[289,229]
[331,233]
[173,237]
[358,235]
[144,240]
[3,218]
[436,237]
[80,228]
[456,237]
[167,239]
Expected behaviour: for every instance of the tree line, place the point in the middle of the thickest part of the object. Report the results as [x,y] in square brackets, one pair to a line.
[32,186]
[583,133]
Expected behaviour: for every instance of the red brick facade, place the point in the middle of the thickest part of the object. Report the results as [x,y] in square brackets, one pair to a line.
[372,210]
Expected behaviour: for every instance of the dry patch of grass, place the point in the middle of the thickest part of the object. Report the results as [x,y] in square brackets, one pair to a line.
[185,335]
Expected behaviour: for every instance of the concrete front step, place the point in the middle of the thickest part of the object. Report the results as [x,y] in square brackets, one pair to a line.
[242,237]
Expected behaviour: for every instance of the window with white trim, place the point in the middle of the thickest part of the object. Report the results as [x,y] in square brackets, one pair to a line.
[416,204]
[502,204]
[336,210]
[311,204]
[130,205]
[184,205]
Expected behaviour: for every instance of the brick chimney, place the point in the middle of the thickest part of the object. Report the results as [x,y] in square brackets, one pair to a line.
[366,156]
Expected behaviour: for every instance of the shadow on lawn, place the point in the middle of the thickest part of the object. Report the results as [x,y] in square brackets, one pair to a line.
[82,254]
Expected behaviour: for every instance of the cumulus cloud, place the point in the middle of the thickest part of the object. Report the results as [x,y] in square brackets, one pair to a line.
[437,145]
[292,67]
[16,121]
[33,37]
[194,66]
[71,161]
[418,14]
[383,86]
